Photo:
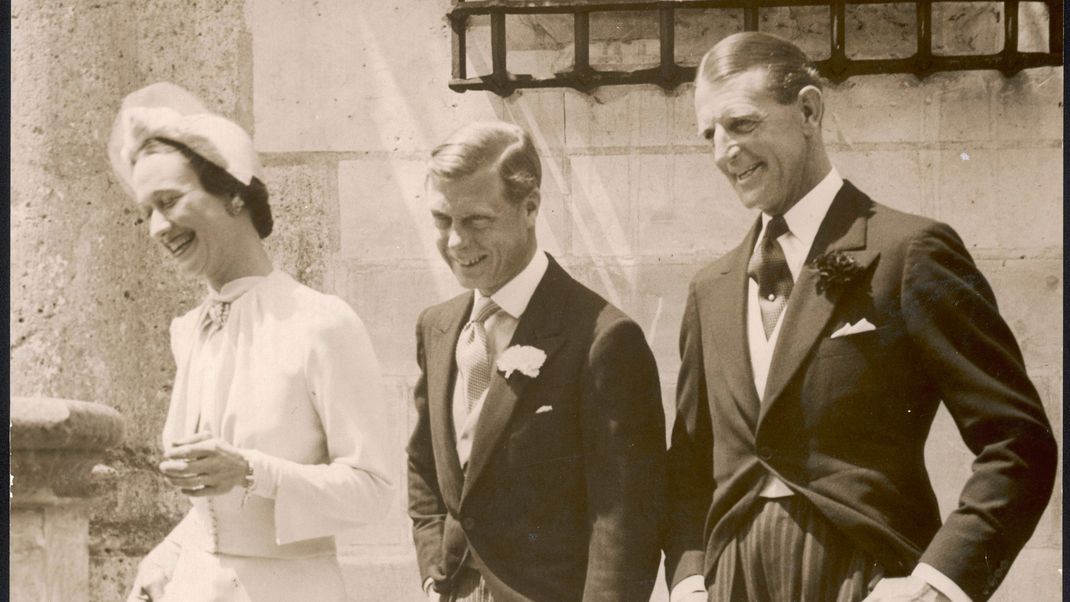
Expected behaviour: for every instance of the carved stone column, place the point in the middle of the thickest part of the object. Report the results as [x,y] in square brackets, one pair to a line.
[55,445]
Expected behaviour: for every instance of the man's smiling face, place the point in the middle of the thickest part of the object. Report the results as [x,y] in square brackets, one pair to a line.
[759,144]
[486,239]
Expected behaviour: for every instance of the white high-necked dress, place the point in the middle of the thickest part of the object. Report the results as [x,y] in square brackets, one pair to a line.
[291,380]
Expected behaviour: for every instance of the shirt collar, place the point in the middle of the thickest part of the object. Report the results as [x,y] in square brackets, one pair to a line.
[515,295]
[806,216]
[236,288]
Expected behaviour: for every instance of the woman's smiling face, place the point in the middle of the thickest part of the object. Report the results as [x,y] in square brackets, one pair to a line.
[190,223]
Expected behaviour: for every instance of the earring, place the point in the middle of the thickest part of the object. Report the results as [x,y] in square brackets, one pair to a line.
[235,206]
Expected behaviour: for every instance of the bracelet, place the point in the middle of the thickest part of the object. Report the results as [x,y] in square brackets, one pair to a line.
[250,482]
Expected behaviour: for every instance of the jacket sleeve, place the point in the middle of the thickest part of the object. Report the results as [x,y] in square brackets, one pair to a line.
[690,459]
[624,448]
[426,508]
[355,487]
[972,357]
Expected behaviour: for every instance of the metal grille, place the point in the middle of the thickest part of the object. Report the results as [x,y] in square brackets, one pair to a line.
[668,74]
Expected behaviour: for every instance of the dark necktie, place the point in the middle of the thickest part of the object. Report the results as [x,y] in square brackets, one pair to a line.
[769,268]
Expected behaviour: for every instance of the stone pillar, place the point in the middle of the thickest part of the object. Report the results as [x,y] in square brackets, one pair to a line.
[56,445]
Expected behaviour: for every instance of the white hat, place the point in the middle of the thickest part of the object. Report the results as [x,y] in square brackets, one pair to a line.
[164,110]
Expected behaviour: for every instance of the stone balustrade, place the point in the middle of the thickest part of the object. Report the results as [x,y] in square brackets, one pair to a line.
[56,445]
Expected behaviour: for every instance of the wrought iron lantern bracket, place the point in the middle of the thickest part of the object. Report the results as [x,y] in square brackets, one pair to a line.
[668,74]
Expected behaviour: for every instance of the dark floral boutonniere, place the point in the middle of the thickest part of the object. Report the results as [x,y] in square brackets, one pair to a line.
[834,270]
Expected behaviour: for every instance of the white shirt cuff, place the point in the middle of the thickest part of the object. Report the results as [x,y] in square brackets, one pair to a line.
[941,582]
[695,584]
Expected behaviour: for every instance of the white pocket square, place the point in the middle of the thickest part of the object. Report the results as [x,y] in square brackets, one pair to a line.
[860,326]
[544,409]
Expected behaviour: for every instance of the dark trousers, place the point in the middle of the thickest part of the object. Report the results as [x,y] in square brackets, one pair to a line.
[788,552]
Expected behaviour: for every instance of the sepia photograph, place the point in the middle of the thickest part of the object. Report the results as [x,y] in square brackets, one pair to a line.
[536,301]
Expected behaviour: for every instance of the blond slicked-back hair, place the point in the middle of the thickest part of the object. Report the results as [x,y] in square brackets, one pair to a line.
[503,146]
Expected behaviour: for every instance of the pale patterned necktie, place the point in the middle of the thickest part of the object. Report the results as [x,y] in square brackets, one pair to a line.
[471,352]
[769,268]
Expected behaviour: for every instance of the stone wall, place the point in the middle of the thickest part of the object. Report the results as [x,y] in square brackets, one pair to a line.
[345,100]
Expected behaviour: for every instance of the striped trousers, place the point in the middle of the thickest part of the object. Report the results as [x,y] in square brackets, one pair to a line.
[789,552]
[468,587]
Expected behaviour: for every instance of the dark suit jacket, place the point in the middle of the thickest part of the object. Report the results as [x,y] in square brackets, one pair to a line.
[557,505]
[844,420]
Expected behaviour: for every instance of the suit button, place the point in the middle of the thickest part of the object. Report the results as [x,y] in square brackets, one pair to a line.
[765,452]
[468,523]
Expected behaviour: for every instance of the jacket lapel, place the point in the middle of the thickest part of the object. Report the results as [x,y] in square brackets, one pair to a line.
[440,370]
[807,313]
[540,327]
[727,316]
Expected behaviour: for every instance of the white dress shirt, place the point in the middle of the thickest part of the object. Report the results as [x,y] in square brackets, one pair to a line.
[803,219]
[513,299]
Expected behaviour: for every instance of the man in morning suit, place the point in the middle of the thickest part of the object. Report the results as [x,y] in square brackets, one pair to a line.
[814,357]
[537,463]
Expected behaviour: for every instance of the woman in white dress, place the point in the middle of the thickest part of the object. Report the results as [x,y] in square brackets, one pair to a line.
[278,425]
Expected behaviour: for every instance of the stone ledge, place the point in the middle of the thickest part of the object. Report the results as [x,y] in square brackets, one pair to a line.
[55,444]
[50,423]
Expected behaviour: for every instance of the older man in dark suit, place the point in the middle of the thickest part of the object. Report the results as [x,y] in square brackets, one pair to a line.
[815,356]
[536,467]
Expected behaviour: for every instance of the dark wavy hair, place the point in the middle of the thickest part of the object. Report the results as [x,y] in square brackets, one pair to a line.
[788,69]
[216,181]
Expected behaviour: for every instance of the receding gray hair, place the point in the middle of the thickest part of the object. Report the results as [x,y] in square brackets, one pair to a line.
[788,69]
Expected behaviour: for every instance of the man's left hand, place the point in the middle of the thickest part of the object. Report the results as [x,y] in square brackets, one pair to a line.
[905,589]
[203,465]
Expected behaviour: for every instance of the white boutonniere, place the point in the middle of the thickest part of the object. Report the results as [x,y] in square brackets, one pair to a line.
[523,359]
